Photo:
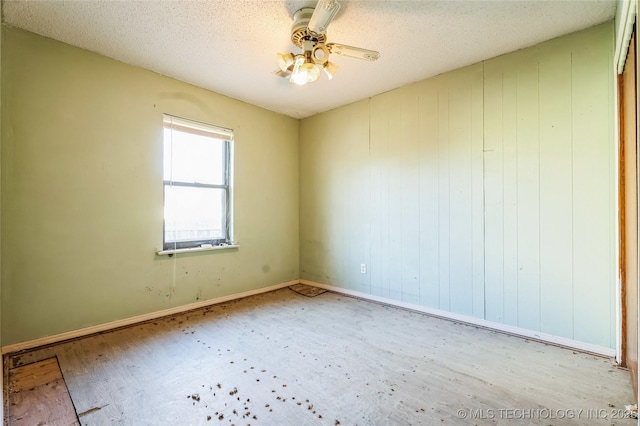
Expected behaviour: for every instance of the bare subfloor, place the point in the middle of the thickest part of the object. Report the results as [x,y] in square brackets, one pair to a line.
[281,358]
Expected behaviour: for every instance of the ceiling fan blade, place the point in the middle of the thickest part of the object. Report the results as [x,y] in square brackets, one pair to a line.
[322,16]
[353,52]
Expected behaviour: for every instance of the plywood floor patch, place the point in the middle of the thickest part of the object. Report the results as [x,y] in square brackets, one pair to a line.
[38,395]
[307,290]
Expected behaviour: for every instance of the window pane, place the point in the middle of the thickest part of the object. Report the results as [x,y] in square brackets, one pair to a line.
[193,158]
[193,214]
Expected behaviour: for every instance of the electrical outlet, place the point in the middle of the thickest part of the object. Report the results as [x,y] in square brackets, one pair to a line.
[363,268]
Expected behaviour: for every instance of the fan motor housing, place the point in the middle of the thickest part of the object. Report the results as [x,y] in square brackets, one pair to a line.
[299,28]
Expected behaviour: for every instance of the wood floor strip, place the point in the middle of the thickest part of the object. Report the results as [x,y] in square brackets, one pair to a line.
[38,395]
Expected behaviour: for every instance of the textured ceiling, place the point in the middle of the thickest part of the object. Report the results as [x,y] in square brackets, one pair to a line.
[229,46]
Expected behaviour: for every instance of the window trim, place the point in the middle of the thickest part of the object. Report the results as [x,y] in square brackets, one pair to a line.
[171,252]
[213,131]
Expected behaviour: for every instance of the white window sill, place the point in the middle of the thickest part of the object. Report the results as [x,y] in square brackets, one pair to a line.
[194,249]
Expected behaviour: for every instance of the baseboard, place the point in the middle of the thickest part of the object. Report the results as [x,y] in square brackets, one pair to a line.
[522,332]
[57,338]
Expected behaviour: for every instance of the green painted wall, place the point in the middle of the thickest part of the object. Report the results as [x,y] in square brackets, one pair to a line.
[488,191]
[82,192]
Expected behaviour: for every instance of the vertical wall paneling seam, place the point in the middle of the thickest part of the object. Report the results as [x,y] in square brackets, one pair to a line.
[347,191]
[484,238]
[370,166]
[473,246]
[420,230]
[573,208]
[517,236]
[449,195]
[473,253]
[389,140]
[504,201]
[438,278]
[402,219]
[539,206]
[484,194]
[471,195]
[387,228]
[472,275]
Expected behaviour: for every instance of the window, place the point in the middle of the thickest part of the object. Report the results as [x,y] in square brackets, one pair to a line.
[197,184]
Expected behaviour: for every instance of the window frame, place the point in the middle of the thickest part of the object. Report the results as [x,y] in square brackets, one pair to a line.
[215,132]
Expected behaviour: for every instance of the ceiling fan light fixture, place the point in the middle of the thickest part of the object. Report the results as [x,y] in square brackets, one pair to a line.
[305,70]
[296,68]
[312,72]
[285,60]
[330,69]
[306,73]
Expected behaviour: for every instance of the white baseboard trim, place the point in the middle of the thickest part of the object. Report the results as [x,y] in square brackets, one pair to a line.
[522,332]
[56,338]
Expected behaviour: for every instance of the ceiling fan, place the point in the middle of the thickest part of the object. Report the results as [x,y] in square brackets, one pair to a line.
[309,33]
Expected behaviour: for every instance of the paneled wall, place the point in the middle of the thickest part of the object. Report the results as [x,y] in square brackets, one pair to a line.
[549,193]
[487,191]
[426,193]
